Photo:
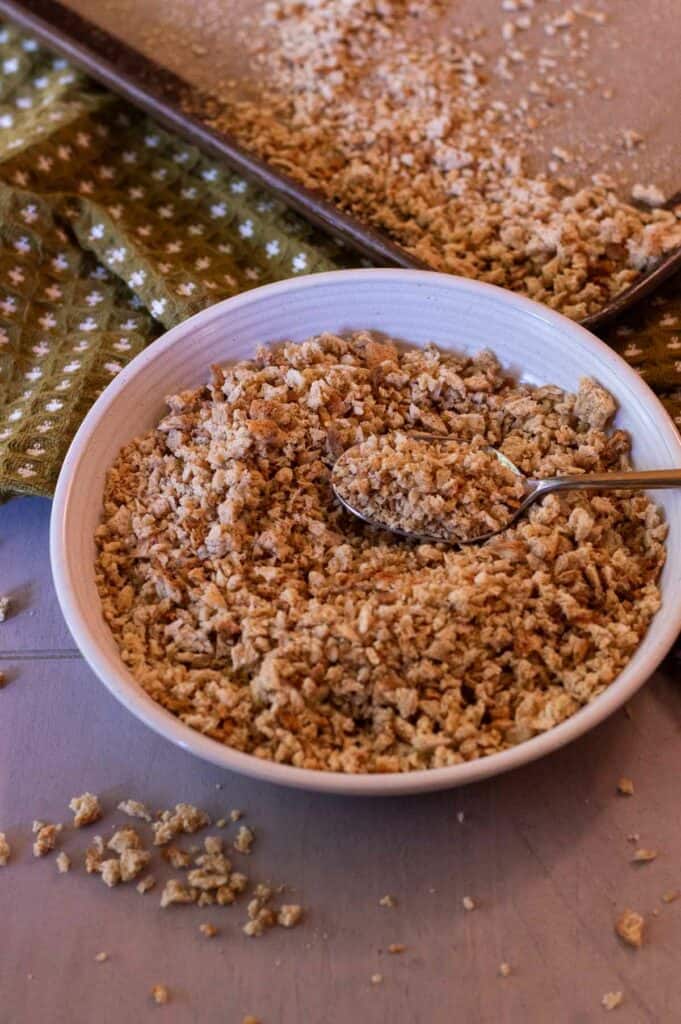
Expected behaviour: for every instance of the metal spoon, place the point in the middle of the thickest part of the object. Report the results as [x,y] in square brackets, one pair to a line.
[629,480]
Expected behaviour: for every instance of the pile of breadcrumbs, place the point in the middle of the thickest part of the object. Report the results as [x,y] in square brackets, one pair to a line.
[386,110]
[247,602]
[421,484]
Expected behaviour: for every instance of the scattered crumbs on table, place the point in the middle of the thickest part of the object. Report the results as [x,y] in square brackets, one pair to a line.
[86,809]
[396,947]
[625,786]
[671,895]
[504,969]
[629,926]
[208,929]
[289,915]
[221,823]
[611,1000]
[45,838]
[460,817]
[5,850]
[376,979]
[63,863]
[235,814]
[643,856]
[160,995]
[101,957]
[4,608]
[387,901]
[468,903]
[245,838]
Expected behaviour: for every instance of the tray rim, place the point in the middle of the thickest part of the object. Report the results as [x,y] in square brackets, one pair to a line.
[130,74]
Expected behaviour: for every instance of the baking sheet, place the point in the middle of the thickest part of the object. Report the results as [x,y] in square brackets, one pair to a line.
[162,53]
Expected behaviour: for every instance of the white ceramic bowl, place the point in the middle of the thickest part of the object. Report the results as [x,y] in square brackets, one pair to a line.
[418,307]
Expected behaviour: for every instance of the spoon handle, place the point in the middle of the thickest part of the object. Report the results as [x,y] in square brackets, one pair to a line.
[625,481]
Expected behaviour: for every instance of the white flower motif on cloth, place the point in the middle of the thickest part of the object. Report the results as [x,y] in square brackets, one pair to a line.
[130,324]
[137,278]
[272,248]
[86,187]
[94,298]
[16,276]
[81,346]
[136,192]
[166,212]
[8,305]
[4,36]
[83,140]
[44,426]
[189,193]
[122,345]
[26,470]
[151,141]
[42,82]
[252,273]
[116,255]
[210,174]
[674,343]
[238,186]
[106,173]
[66,79]
[44,163]
[60,262]
[47,321]
[115,211]
[41,349]
[246,229]
[96,231]
[218,210]
[15,144]
[196,229]
[5,434]
[165,268]
[202,262]
[173,247]
[88,324]
[186,288]
[29,45]
[4,337]
[6,120]
[72,366]
[159,174]
[35,373]
[53,292]
[29,214]
[128,157]
[299,262]
[15,415]
[157,307]
[10,66]
[24,102]
[100,273]
[64,153]
[181,158]
[144,230]
[20,178]
[54,405]
[113,368]
[36,450]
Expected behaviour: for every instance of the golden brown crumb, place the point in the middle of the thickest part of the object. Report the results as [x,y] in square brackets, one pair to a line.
[5,850]
[86,809]
[221,823]
[3,679]
[396,947]
[63,863]
[504,969]
[387,901]
[145,884]
[160,995]
[468,903]
[244,839]
[625,786]
[643,856]
[235,814]
[671,895]
[212,845]
[208,929]
[184,819]
[611,1000]
[176,857]
[250,1020]
[110,871]
[46,838]
[125,839]
[376,979]
[135,809]
[630,927]
[4,607]
[133,863]
[101,957]
[290,914]
[175,891]
[94,855]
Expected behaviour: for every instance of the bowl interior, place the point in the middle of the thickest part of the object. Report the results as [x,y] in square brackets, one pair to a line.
[417,307]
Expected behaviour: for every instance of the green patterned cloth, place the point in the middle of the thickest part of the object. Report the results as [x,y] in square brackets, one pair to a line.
[112,230]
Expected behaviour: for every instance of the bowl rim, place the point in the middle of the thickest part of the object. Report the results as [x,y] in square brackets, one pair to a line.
[137,701]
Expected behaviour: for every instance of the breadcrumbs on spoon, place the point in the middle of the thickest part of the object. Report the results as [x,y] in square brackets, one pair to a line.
[5,850]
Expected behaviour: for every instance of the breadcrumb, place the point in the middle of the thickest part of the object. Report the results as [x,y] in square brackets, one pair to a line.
[235,814]
[468,903]
[46,838]
[175,891]
[185,818]
[208,929]
[643,856]
[110,871]
[176,857]
[245,838]
[160,995]
[630,927]
[387,901]
[101,957]
[133,863]
[5,603]
[145,884]
[625,786]
[86,809]
[611,1000]
[376,979]
[396,947]
[63,863]
[290,914]
[504,969]
[5,850]
[671,895]
[93,855]
[134,809]
[125,839]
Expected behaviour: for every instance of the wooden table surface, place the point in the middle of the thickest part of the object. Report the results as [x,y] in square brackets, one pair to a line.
[543,851]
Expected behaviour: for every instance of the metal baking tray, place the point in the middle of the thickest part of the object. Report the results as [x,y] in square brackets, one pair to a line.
[121,65]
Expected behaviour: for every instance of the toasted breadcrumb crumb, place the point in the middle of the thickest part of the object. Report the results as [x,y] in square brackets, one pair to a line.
[290,914]
[145,884]
[5,850]
[396,947]
[134,809]
[86,809]
[176,857]
[101,957]
[651,195]
[611,1000]
[175,891]
[625,786]
[221,823]
[133,863]
[160,995]
[643,856]
[125,839]
[46,838]
[468,903]
[3,679]
[110,871]
[185,818]
[208,929]
[236,814]
[63,863]
[250,1020]
[504,969]
[245,838]
[4,607]
[376,979]
[671,895]
[387,901]
[94,855]
[630,928]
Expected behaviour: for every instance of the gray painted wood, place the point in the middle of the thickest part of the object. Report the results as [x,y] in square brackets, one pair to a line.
[543,850]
